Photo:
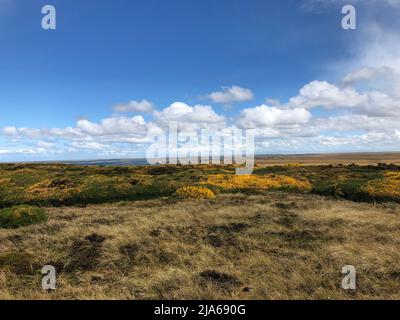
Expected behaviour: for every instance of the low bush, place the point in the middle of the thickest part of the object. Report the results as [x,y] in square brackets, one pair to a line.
[19,216]
[271,181]
[194,193]
[386,188]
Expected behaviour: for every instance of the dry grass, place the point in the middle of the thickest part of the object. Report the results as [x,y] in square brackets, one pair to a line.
[274,245]
[360,158]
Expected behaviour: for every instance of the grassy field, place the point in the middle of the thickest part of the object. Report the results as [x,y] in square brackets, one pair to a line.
[200,232]
[360,158]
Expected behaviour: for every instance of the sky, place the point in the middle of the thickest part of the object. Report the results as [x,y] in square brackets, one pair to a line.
[113,73]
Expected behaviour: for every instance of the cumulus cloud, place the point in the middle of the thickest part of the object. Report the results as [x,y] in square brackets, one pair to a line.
[113,126]
[264,116]
[231,95]
[120,135]
[198,116]
[327,95]
[84,128]
[361,112]
[10,131]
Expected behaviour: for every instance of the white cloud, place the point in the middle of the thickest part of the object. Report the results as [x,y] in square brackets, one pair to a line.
[368,74]
[311,5]
[44,144]
[174,111]
[381,104]
[89,127]
[264,116]
[355,122]
[198,116]
[327,95]
[113,126]
[231,95]
[376,141]
[331,97]
[110,136]
[89,145]
[30,132]
[10,131]
[143,106]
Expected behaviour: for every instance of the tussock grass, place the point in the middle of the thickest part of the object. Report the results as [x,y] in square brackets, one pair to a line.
[199,232]
[275,245]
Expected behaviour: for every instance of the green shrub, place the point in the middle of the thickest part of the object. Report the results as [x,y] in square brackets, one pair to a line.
[332,189]
[19,216]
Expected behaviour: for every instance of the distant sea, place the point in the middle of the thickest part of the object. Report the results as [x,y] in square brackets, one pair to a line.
[113,162]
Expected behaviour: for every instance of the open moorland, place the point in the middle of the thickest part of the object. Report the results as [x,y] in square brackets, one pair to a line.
[199,232]
[359,158]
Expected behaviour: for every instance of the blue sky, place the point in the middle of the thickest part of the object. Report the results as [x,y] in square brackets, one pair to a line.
[107,53]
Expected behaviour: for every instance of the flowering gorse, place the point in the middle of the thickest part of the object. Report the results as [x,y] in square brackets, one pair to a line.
[386,187]
[270,181]
[190,192]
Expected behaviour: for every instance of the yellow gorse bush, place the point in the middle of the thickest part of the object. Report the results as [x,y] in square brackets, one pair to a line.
[270,181]
[388,186]
[52,189]
[194,193]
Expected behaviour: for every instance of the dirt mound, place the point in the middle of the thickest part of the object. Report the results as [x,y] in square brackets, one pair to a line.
[224,235]
[220,279]
[130,250]
[232,227]
[85,253]
[60,183]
